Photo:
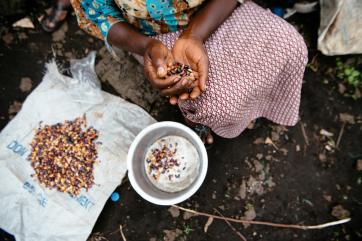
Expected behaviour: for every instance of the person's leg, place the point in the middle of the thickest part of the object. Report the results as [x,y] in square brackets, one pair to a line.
[57,15]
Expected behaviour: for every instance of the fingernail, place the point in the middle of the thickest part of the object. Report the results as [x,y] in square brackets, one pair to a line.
[177,79]
[160,70]
[184,82]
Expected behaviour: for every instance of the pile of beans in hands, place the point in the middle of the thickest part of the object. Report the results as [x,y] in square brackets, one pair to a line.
[187,77]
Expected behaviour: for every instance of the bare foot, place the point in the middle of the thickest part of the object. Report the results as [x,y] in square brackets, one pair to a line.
[204,132]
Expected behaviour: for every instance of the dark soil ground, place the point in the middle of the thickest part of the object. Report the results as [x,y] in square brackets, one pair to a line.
[296,181]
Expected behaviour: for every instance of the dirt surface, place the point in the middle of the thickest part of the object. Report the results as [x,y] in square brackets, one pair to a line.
[272,173]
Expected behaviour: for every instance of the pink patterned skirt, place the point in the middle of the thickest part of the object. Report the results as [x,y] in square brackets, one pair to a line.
[257,62]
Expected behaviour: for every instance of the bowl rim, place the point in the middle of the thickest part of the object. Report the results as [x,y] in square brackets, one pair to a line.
[199,180]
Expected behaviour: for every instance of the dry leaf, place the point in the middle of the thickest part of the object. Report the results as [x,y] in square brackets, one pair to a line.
[24,23]
[269,141]
[346,118]
[208,223]
[323,132]
[339,212]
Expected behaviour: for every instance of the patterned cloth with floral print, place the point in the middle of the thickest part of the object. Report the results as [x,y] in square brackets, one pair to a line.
[151,17]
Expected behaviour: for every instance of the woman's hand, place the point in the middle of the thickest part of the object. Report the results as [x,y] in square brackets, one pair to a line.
[190,51]
[156,59]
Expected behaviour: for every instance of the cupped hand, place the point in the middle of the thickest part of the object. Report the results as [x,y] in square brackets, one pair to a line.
[156,59]
[190,51]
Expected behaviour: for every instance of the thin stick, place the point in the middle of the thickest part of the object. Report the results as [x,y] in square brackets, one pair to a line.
[304,134]
[231,226]
[278,225]
[340,134]
[122,234]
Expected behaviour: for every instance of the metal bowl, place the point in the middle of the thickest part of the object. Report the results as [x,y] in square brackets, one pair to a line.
[136,166]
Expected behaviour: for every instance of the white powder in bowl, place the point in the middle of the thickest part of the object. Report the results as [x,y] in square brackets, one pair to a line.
[172,163]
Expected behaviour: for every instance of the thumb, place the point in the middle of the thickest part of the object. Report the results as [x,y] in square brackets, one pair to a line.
[159,62]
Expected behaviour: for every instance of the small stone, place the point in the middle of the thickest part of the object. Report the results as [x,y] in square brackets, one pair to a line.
[328,198]
[322,157]
[297,148]
[359,165]
[175,212]
[341,88]
[25,84]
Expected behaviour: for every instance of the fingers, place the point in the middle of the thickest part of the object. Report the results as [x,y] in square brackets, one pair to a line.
[158,82]
[159,60]
[173,100]
[203,71]
[196,92]
[182,86]
[184,96]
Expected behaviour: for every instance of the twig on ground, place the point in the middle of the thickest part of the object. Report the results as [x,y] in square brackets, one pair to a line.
[278,225]
[340,134]
[231,226]
[122,234]
[306,140]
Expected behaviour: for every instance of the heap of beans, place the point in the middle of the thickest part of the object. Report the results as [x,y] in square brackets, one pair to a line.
[160,161]
[179,69]
[63,155]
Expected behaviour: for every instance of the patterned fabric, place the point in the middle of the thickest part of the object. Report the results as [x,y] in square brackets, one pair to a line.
[257,61]
[149,16]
